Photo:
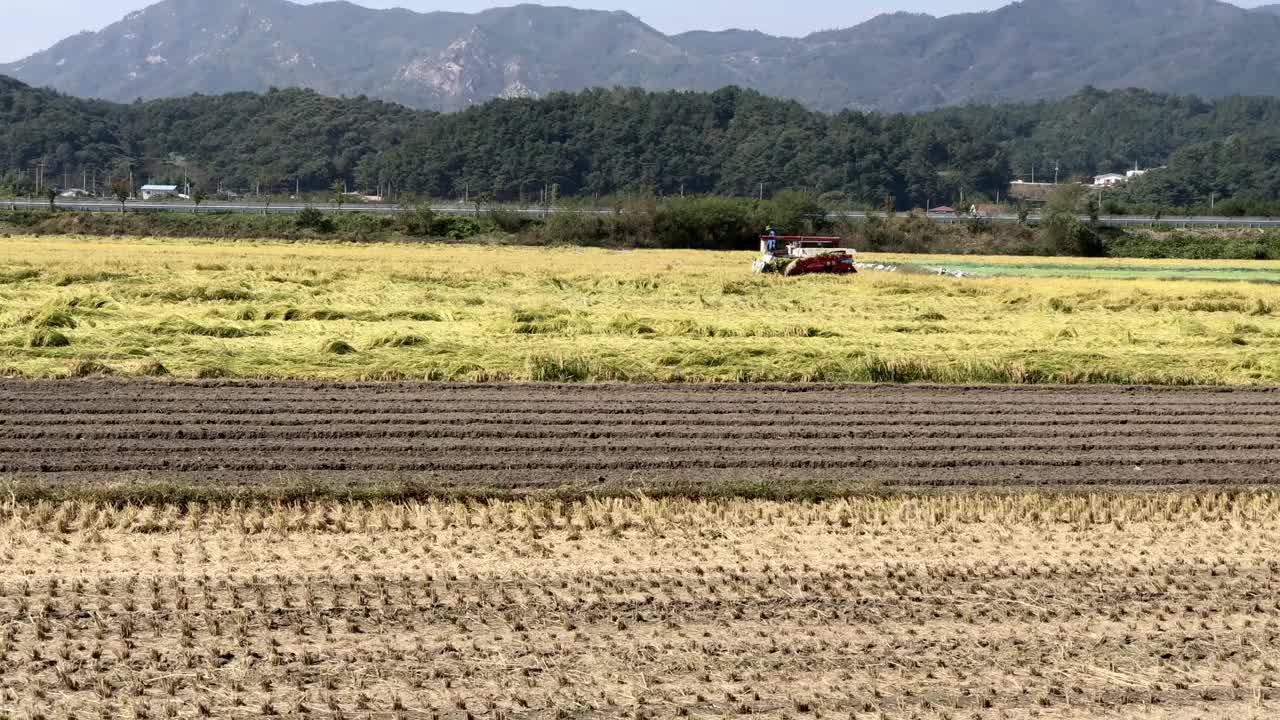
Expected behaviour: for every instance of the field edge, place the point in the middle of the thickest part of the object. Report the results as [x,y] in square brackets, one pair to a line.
[14,492]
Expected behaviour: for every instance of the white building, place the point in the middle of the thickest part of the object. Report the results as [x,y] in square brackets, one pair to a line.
[151,192]
[1113,179]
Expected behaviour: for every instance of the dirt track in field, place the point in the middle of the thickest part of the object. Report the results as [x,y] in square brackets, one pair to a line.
[521,436]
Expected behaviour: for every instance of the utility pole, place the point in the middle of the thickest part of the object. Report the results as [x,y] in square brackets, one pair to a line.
[1056,164]
[762,192]
[1212,197]
[38,171]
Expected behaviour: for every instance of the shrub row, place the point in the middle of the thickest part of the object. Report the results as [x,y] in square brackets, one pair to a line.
[309,224]
[698,223]
[1196,246]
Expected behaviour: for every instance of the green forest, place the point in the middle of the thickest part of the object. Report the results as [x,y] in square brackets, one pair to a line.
[602,142]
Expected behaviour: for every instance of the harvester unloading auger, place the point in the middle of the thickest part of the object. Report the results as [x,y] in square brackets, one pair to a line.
[804,255]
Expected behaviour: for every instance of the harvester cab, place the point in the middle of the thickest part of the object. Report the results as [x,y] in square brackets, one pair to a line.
[804,255]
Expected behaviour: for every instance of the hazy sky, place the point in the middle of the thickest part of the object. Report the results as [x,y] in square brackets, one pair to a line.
[31,26]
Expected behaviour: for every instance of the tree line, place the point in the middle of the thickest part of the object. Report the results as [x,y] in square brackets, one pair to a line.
[610,142]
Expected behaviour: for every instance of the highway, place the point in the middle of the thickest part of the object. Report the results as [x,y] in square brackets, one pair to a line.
[456,209]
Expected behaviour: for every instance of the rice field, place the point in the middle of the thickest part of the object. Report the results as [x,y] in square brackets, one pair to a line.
[238,536]
[1250,271]
[72,306]
[1039,606]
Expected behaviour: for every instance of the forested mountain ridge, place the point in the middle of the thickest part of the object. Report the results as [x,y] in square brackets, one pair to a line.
[600,142]
[1033,49]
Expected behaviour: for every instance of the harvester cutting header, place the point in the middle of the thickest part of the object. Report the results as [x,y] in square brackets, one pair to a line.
[803,255]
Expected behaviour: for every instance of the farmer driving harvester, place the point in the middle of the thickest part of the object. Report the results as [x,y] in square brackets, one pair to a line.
[803,254]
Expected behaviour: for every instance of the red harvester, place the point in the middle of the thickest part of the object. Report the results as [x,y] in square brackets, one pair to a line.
[804,255]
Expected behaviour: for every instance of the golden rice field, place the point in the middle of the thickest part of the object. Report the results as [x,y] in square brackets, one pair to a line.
[1031,606]
[82,306]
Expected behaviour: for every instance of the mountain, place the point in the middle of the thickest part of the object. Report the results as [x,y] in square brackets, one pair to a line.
[436,60]
[1029,50]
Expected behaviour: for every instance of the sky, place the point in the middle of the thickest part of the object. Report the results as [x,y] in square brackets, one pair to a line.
[32,26]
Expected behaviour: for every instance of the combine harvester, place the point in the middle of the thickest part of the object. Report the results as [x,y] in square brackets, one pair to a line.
[793,255]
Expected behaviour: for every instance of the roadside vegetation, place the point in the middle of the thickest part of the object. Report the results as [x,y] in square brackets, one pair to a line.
[686,223]
[78,306]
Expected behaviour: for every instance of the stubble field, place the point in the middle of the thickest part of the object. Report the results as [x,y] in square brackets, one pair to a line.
[946,607]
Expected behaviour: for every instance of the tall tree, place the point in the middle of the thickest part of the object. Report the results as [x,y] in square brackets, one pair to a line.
[121,191]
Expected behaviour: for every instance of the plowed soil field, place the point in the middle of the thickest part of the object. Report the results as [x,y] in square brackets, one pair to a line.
[522,436]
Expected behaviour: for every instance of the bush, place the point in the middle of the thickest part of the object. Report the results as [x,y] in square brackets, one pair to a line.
[509,222]
[457,228]
[1068,235]
[710,223]
[418,221]
[914,234]
[312,219]
[1063,231]
[795,213]
[1194,246]
[422,222]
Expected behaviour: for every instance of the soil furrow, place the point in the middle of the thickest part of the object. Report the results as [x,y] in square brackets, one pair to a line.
[543,435]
